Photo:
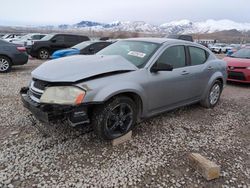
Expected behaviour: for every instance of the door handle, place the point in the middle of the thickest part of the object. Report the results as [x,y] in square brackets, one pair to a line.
[184,72]
[210,68]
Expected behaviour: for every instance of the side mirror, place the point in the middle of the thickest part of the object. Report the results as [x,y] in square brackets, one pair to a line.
[53,40]
[161,67]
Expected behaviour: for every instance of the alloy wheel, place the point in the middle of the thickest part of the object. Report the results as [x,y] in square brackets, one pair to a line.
[119,120]
[44,54]
[4,65]
[214,94]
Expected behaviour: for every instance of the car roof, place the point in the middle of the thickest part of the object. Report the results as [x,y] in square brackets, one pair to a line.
[160,40]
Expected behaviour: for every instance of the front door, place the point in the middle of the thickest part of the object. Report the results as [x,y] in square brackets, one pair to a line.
[168,89]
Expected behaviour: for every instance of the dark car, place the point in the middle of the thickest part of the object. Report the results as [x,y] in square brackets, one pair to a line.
[181,37]
[11,55]
[84,48]
[42,49]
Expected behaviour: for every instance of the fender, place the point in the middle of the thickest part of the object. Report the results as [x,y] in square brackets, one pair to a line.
[118,88]
[214,77]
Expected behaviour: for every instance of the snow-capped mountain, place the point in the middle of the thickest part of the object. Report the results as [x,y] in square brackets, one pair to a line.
[174,27]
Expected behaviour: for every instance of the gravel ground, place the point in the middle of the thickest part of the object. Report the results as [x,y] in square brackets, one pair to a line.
[155,157]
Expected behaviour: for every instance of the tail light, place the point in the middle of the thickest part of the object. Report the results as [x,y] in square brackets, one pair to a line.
[21,49]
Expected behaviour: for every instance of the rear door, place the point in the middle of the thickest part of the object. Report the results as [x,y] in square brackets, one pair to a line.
[71,40]
[199,69]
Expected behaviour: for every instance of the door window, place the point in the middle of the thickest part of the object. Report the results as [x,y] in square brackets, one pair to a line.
[71,39]
[198,56]
[59,39]
[174,56]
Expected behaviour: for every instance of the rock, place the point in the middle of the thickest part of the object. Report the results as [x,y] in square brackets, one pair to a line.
[208,169]
[122,139]
[14,133]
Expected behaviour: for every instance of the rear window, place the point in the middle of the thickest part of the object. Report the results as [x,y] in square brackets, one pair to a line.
[71,38]
[198,56]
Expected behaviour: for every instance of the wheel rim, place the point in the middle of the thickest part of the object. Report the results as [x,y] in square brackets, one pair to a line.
[44,54]
[4,64]
[214,94]
[119,120]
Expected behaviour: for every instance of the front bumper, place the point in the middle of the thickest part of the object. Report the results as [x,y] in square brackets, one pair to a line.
[239,75]
[49,113]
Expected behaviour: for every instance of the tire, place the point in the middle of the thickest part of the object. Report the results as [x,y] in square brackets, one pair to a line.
[115,118]
[43,54]
[5,64]
[213,95]
[219,51]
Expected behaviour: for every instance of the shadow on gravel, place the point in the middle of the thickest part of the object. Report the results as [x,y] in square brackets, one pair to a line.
[236,84]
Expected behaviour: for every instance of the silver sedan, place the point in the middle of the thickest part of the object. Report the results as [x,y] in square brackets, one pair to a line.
[126,82]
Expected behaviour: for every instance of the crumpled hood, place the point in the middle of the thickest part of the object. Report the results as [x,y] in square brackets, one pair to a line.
[65,52]
[75,68]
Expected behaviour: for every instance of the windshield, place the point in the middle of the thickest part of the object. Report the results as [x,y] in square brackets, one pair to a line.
[48,37]
[5,36]
[82,45]
[26,37]
[242,53]
[137,52]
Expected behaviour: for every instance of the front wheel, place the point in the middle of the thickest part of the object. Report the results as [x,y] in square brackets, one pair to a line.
[115,118]
[5,64]
[43,54]
[213,96]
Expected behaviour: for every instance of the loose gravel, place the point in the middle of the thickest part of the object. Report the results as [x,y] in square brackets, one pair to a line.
[155,157]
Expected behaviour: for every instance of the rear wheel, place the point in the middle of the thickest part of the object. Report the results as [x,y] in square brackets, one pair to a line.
[213,96]
[43,54]
[5,64]
[115,118]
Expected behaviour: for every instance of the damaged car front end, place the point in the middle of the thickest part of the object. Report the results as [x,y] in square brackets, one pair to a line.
[52,102]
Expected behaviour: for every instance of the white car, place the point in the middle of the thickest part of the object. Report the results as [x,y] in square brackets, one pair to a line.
[217,47]
[27,39]
[9,37]
[230,47]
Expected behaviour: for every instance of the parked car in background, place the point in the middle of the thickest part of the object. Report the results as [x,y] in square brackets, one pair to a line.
[44,48]
[239,66]
[231,47]
[217,47]
[127,81]
[29,37]
[181,37]
[84,48]
[1,35]
[11,55]
[8,37]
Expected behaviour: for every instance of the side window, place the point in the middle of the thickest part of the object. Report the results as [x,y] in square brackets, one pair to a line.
[100,46]
[174,56]
[59,38]
[71,39]
[198,56]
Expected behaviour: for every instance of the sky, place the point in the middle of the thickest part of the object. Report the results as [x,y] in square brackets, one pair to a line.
[53,12]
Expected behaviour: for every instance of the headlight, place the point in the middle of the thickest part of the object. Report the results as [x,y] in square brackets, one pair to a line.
[63,95]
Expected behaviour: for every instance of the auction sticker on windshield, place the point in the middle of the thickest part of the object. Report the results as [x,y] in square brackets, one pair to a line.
[136,54]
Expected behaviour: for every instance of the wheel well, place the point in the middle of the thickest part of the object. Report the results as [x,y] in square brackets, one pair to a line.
[6,57]
[136,98]
[220,80]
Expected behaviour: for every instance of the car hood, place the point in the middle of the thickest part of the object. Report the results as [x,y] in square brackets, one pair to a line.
[237,62]
[79,67]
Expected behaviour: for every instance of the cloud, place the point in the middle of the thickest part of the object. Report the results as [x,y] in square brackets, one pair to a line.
[152,11]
